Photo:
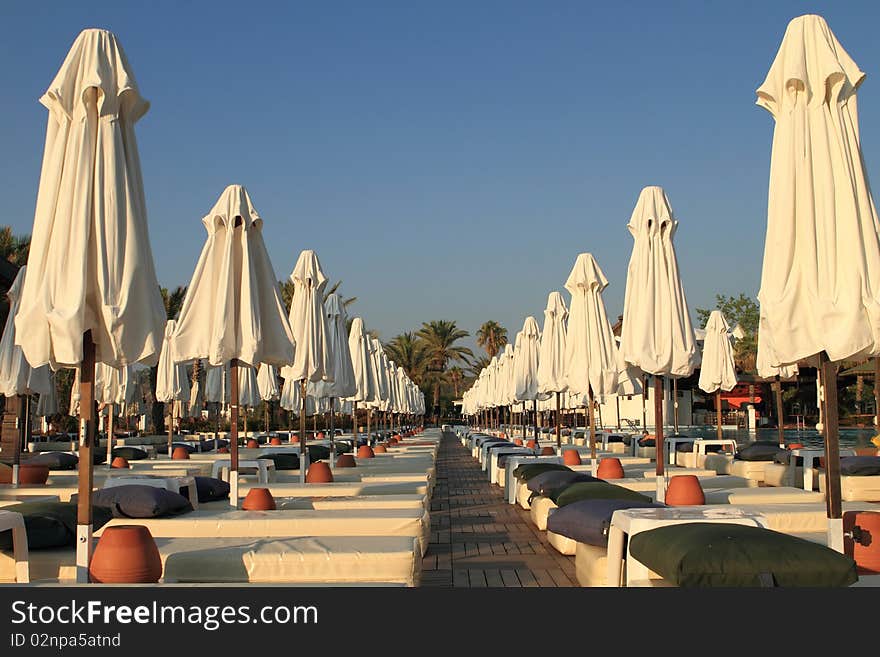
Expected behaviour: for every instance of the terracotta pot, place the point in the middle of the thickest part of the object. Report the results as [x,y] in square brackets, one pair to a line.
[392,441]
[294,438]
[31,474]
[319,473]
[275,440]
[866,451]
[547,451]
[610,468]
[120,462]
[571,457]
[795,445]
[685,490]
[126,554]
[866,551]
[396,437]
[259,499]
[252,443]
[517,442]
[365,452]
[531,444]
[320,436]
[180,454]
[380,449]
[346,461]
[223,450]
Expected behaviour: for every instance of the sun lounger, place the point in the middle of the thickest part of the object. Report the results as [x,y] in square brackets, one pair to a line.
[274,524]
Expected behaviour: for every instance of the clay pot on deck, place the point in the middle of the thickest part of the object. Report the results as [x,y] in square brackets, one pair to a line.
[252,443]
[380,449]
[864,526]
[319,473]
[126,554]
[571,457]
[294,439]
[259,499]
[365,452]
[685,490]
[180,454]
[275,440]
[346,461]
[610,468]
[120,462]
[547,451]
[223,450]
[531,444]
[517,442]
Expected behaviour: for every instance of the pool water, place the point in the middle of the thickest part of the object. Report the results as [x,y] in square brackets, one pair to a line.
[851,438]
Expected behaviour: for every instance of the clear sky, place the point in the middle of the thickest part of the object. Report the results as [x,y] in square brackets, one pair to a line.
[446,160]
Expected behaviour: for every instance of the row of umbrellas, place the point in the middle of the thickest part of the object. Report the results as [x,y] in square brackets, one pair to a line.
[93,297]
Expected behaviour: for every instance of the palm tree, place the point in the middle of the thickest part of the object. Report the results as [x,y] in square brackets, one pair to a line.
[440,337]
[14,248]
[492,337]
[408,351]
[456,376]
[173,300]
[478,365]
[287,287]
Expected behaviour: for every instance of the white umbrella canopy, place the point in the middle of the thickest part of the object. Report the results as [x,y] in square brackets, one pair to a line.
[593,362]
[820,281]
[48,402]
[526,366]
[657,336]
[551,364]
[380,374]
[718,370]
[90,251]
[551,361]
[17,377]
[172,382]
[267,383]
[218,385]
[343,383]
[114,385]
[508,387]
[308,322]
[233,308]
[360,351]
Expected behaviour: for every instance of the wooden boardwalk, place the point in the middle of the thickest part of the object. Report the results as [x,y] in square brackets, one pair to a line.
[478,539]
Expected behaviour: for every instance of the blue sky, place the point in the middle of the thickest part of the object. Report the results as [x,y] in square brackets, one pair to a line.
[446,160]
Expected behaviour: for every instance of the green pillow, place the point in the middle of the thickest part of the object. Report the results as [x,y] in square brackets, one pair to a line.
[51,524]
[596,490]
[526,471]
[704,554]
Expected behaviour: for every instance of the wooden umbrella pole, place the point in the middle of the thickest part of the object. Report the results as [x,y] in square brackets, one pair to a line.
[617,403]
[675,405]
[832,454]
[109,428]
[87,433]
[302,431]
[592,433]
[659,450]
[233,432]
[876,392]
[718,432]
[558,427]
[780,414]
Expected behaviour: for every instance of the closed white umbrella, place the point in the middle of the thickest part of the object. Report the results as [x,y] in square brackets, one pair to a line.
[820,282]
[17,377]
[48,403]
[343,383]
[657,335]
[526,369]
[172,383]
[360,351]
[312,361]
[718,370]
[594,366]
[551,365]
[778,372]
[380,361]
[232,313]
[267,385]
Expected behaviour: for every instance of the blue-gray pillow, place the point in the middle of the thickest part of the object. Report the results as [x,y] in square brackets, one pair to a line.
[55,460]
[208,489]
[50,524]
[129,453]
[553,479]
[282,460]
[762,450]
[139,501]
[587,521]
[860,466]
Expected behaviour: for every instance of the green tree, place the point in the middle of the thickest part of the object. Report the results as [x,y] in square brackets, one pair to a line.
[440,337]
[478,365]
[409,352]
[15,248]
[287,288]
[492,337]
[744,311]
[456,377]
[173,300]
